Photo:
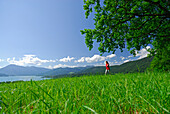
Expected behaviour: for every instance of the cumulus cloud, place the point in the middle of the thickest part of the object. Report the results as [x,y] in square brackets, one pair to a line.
[122,58]
[143,52]
[110,56]
[80,60]
[116,62]
[28,60]
[126,61]
[113,63]
[60,66]
[68,59]
[49,67]
[130,56]
[140,54]
[95,58]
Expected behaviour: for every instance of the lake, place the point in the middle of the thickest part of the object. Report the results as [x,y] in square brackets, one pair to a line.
[18,78]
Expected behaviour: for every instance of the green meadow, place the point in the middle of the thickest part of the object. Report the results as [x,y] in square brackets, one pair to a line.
[120,93]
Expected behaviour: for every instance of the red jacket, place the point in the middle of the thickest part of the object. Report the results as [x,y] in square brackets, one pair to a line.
[107,67]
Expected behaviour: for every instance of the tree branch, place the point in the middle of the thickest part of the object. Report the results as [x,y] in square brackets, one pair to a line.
[158,4]
[142,24]
[148,15]
[149,32]
[121,22]
[167,36]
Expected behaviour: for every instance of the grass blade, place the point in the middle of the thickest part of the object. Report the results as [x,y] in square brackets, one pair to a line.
[161,107]
[90,109]
[44,90]
[40,99]
[149,104]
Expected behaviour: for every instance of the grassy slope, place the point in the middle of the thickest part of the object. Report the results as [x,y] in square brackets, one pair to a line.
[132,66]
[137,92]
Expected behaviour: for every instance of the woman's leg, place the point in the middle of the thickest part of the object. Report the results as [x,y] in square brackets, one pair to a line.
[106,72]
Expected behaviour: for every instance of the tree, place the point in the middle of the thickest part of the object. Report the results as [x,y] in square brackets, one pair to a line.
[136,23]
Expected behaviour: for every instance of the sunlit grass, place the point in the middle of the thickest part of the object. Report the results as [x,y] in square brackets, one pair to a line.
[133,93]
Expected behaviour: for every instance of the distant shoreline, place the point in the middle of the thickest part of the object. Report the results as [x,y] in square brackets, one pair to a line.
[13,79]
[7,82]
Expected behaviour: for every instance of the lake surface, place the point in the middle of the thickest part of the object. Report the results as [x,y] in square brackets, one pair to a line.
[24,78]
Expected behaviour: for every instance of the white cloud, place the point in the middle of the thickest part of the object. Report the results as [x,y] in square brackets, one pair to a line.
[8,59]
[148,47]
[80,60]
[68,59]
[111,56]
[143,52]
[61,66]
[130,56]
[95,58]
[122,58]
[113,63]
[49,67]
[30,55]
[126,61]
[28,59]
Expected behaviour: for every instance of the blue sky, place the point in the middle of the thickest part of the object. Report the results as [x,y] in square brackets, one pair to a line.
[46,33]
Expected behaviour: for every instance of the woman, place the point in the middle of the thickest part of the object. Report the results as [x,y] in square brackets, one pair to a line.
[107,68]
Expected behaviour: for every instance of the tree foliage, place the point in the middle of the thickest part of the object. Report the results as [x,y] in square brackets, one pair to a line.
[161,60]
[136,22]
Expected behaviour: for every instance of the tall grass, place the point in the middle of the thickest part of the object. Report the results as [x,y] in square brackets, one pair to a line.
[120,93]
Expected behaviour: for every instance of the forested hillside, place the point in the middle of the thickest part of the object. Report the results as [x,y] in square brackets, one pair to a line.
[129,67]
[64,71]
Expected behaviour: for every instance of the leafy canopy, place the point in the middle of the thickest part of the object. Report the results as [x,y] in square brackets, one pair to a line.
[136,23]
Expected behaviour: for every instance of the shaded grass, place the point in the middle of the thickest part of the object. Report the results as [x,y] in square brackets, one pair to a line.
[120,93]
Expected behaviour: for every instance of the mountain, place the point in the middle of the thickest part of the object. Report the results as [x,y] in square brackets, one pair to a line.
[20,70]
[129,67]
[64,71]
[3,74]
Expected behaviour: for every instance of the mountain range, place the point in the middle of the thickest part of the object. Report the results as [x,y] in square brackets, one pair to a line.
[129,67]
[3,74]
[22,71]
[63,71]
